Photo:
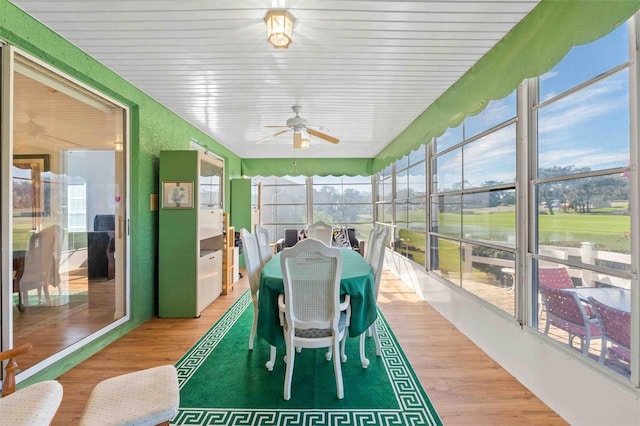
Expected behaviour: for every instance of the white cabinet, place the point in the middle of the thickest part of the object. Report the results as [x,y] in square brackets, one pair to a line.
[191,236]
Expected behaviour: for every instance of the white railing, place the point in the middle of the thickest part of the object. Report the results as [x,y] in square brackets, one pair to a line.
[587,253]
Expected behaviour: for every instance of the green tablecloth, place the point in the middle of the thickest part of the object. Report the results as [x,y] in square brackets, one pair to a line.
[356,281]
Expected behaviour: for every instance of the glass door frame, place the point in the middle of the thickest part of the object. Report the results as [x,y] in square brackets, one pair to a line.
[8,54]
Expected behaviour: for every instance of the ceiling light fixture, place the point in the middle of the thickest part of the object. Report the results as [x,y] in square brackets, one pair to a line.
[279,28]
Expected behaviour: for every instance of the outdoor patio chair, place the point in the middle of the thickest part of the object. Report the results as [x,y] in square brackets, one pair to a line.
[558,278]
[254,267]
[310,309]
[566,312]
[555,277]
[616,329]
[32,405]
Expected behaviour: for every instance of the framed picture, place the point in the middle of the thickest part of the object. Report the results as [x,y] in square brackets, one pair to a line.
[28,188]
[177,195]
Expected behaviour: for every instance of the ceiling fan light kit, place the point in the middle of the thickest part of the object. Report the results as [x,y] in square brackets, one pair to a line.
[300,140]
[279,28]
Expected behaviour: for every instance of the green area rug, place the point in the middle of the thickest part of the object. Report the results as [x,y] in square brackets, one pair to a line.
[223,383]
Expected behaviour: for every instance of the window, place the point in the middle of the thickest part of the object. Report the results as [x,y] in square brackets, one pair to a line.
[284,203]
[410,206]
[336,200]
[582,191]
[578,174]
[472,235]
[343,201]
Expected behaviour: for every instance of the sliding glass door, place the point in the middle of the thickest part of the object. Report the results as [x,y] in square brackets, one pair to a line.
[64,191]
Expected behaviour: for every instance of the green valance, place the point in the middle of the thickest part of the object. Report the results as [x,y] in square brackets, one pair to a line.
[531,48]
[307,167]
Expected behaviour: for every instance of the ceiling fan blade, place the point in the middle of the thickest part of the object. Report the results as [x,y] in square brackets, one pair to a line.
[321,135]
[56,139]
[273,135]
[297,140]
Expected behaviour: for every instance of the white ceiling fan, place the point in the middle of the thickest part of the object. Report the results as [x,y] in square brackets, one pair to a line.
[300,130]
[35,130]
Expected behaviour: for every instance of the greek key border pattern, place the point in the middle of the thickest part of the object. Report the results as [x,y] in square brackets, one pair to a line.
[412,401]
[192,360]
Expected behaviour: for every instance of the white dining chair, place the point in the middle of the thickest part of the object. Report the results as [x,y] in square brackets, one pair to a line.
[375,257]
[262,234]
[374,229]
[254,267]
[321,232]
[310,309]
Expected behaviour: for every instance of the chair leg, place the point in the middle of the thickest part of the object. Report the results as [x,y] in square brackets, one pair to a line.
[288,374]
[343,352]
[363,359]
[254,326]
[377,339]
[603,350]
[585,344]
[47,296]
[272,359]
[337,368]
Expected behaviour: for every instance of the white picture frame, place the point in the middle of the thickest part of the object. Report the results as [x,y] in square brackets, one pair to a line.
[177,195]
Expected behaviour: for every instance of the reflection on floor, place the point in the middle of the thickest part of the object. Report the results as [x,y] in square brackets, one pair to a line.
[90,307]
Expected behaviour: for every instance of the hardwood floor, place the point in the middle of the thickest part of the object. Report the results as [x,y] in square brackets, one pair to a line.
[466,386]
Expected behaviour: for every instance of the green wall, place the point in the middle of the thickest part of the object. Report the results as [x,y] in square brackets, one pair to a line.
[241,207]
[153,128]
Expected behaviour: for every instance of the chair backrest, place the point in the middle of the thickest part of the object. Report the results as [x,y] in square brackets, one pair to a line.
[374,229]
[353,239]
[554,278]
[321,231]
[615,324]
[262,234]
[564,305]
[40,264]
[104,222]
[251,259]
[340,238]
[311,274]
[291,237]
[375,255]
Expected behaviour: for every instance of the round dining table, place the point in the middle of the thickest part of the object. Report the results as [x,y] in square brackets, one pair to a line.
[356,280]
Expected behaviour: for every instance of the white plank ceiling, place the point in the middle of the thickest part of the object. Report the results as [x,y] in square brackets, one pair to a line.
[362,70]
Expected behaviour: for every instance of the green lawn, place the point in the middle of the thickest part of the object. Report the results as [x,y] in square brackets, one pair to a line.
[608,232]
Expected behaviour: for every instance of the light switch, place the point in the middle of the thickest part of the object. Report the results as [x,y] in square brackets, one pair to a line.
[153,202]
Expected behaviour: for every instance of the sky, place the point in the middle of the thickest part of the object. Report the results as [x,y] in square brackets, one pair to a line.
[579,126]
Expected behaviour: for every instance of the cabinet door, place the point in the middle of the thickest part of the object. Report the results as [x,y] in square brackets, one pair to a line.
[209,223]
[217,275]
[205,282]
